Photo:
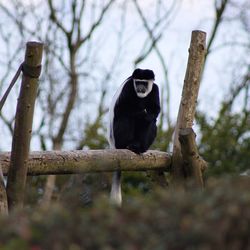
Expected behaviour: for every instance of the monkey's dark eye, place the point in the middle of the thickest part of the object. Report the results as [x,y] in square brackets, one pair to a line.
[143,83]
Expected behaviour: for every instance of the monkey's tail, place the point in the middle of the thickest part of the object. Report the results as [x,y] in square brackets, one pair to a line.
[116,194]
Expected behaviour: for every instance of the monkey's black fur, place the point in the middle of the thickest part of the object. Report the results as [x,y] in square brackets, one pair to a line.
[134,121]
[133,115]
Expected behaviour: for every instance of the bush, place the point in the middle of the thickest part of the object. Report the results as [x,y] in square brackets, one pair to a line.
[225,143]
[216,218]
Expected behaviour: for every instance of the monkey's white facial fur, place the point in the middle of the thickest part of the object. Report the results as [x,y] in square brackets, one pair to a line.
[143,87]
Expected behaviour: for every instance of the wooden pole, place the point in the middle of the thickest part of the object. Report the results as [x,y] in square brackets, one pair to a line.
[188,102]
[194,165]
[86,161]
[23,125]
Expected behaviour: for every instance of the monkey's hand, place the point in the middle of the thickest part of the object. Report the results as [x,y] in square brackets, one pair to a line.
[136,148]
[145,115]
[140,114]
[148,116]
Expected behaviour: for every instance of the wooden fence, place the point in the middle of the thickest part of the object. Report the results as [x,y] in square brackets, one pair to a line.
[17,164]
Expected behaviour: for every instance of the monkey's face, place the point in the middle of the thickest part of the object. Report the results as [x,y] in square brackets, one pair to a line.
[143,87]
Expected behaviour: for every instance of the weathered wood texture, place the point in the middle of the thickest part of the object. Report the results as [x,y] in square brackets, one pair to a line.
[84,161]
[23,127]
[194,165]
[190,91]
[3,195]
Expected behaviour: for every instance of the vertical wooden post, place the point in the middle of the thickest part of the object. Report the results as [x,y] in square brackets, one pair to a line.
[3,195]
[23,125]
[188,102]
[192,162]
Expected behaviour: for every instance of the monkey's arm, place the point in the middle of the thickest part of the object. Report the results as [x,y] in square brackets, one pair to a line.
[153,106]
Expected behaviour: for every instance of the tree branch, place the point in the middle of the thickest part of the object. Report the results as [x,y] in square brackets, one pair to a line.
[219,13]
[96,24]
[55,19]
[162,61]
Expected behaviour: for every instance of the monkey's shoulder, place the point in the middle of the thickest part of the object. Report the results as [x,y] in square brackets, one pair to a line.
[154,92]
[155,88]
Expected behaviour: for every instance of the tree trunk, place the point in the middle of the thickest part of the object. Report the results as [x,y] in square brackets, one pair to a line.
[48,191]
[23,125]
[50,182]
[58,140]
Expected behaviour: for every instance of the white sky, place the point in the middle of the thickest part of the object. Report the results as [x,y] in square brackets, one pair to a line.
[193,14]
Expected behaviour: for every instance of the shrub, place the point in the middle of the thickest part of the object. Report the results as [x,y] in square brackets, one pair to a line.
[216,218]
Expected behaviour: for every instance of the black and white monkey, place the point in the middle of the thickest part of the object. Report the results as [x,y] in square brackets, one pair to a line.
[133,113]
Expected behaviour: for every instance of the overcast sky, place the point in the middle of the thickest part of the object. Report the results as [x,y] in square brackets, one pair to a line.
[191,15]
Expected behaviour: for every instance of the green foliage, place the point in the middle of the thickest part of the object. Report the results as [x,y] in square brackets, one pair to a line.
[135,182]
[225,142]
[163,139]
[216,218]
[95,135]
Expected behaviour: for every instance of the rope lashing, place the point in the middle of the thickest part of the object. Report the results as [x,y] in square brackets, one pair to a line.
[28,71]
[31,71]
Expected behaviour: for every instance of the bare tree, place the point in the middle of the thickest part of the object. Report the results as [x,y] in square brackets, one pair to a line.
[155,33]
[65,38]
[75,40]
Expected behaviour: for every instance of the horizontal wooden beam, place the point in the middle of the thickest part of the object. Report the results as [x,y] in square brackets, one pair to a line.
[86,161]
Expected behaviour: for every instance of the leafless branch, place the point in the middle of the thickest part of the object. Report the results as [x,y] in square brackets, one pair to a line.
[234,92]
[8,122]
[162,60]
[220,6]
[54,18]
[96,24]
[80,20]
[230,44]
[161,22]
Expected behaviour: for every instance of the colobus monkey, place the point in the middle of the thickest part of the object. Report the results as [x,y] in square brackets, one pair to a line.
[133,113]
